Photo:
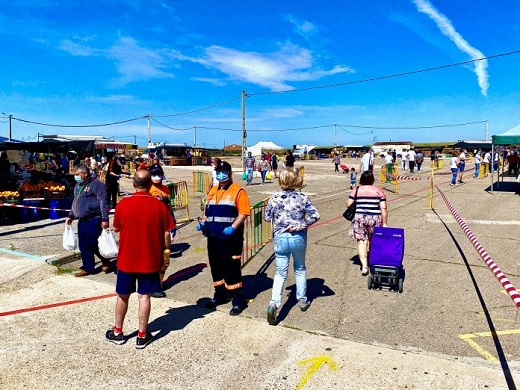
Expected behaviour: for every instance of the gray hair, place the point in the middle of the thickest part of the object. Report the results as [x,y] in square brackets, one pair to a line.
[82,168]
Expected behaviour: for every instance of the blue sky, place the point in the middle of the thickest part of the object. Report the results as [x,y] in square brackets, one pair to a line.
[186,63]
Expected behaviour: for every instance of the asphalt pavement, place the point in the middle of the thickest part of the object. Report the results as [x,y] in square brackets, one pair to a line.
[454,326]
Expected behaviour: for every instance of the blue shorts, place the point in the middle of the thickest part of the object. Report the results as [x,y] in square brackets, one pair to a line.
[146,283]
[462,165]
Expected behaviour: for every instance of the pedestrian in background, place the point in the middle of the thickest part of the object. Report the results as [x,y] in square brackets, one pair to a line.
[371,211]
[91,209]
[367,161]
[462,164]
[141,253]
[353,177]
[291,213]
[419,158]
[249,165]
[411,160]
[274,163]
[289,159]
[336,160]
[161,192]
[454,166]
[478,160]
[113,174]
[264,168]
[227,207]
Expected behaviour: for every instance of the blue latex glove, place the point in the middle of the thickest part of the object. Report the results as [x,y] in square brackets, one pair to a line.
[229,230]
[200,225]
[173,233]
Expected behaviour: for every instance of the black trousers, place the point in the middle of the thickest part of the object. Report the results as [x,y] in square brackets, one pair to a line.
[225,262]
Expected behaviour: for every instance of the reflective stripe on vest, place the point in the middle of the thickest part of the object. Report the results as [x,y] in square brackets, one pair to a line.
[221,210]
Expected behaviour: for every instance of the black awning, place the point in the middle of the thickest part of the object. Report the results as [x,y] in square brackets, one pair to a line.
[50,146]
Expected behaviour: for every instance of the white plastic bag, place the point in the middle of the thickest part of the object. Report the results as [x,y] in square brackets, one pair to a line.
[107,244]
[69,238]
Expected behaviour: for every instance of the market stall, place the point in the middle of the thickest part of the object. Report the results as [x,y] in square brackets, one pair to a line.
[39,184]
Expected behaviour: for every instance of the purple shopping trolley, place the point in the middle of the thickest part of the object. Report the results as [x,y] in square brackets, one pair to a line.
[386,259]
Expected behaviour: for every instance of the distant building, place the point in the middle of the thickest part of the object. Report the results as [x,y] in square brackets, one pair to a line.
[232,148]
[384,147]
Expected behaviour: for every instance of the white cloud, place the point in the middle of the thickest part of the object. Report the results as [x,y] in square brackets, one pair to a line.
[271,70]
[136,63]
[77,49]
[214,81]
[446,27]
[302,27]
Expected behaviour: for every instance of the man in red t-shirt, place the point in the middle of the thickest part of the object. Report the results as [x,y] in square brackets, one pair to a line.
[140,255]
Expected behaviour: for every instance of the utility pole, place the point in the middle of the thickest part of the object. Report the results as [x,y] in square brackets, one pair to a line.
[194,136]
[244,134]
[149,136]
[135,140]
[10,125]
[334,137]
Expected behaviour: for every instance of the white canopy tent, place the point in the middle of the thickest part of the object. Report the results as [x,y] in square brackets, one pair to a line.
[256,150]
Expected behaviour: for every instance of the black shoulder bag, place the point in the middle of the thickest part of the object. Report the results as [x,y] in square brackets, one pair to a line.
[350,212]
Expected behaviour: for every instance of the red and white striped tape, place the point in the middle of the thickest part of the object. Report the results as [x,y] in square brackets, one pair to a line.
[24,206]
[508,286]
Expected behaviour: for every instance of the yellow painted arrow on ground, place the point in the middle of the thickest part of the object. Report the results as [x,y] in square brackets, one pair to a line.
[316,362]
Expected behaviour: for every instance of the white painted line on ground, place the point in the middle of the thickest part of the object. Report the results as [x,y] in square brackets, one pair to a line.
[448,218]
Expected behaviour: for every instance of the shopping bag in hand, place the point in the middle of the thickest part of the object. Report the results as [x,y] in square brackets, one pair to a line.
[69,238]
[107,244]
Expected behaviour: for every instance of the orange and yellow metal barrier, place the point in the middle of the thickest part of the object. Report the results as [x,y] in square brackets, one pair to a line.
[201,182]
[179,199]
[389,175]
[257,232]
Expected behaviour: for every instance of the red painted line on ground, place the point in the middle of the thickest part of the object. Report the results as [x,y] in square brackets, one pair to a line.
[58,304]
[178,274]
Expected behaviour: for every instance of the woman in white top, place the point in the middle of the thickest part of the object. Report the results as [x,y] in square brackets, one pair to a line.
[454,166]
[478,158]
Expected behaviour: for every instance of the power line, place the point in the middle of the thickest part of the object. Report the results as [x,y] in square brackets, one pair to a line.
[200,109]
[97,125]
[169,127]
[387,76]
[413,128]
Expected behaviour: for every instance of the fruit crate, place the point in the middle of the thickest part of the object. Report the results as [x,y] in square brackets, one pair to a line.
[31,194]
[48,194]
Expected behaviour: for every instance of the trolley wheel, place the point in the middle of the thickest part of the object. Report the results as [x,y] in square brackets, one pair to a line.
[370,282]
[400,285]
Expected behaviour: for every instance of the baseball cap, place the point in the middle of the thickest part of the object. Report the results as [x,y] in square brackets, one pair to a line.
[156,171]
[223,166]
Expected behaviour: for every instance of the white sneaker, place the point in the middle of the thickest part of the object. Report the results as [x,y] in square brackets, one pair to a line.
[364,271]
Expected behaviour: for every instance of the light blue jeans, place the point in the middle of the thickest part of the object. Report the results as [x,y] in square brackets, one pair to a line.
[455,172]
[286,244]
[249,172]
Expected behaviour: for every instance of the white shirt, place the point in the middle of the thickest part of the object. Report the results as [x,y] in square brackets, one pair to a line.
[411,155]
[477,158]
[389,159]
[487,157]
[404,156]
[366,160]
[462,156]
[454,162]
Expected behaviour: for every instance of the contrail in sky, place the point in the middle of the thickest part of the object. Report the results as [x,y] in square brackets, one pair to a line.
[447,29]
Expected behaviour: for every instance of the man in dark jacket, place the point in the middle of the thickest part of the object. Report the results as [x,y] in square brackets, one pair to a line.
[91,209]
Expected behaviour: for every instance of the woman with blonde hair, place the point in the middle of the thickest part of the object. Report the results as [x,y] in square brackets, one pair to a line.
[371,211]
[291,213]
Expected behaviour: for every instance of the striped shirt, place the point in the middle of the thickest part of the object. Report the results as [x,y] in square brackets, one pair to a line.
[368,199]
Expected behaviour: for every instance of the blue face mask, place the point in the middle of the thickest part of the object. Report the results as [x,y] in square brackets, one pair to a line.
[222,176]
[78,179]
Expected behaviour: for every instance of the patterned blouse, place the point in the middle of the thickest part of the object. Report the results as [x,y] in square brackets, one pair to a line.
[290,208]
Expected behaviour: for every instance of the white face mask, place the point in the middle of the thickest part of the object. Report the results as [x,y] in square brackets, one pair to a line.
[156,179]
